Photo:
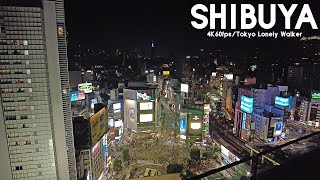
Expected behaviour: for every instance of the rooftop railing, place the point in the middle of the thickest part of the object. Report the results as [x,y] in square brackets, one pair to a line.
[258,163]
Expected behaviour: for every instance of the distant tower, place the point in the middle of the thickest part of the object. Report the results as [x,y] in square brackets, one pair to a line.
[152,50]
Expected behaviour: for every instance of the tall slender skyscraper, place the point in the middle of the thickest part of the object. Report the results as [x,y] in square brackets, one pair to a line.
[36,138]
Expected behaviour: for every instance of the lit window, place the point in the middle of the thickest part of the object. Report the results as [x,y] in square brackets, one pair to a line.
[15,42]
[26,52]
[60,31]
[25,42]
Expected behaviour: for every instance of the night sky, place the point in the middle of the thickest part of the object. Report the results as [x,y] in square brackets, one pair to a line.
[130,24]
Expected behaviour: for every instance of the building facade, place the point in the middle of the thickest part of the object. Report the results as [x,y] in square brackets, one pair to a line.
[35,120]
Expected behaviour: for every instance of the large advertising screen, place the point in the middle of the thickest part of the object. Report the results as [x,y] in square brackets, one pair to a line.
[86,87]
[206,106]
[146,117]
[146,95]
[116,106]
[228,76]
[77,96]
[111,123]
[166,73]
[183,125]
[98,123]
[93,102]
[246,104]
[281,101]
[315,95]
[118,123]
[81,95]
[74,96]
[146,106]
[278,128]
[244,121]
[195,125]
[184,88]
[95,149]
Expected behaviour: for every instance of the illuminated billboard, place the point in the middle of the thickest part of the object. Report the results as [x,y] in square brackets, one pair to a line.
[93,102]
[86,87]
[73,96]
[77,96]
[315,95]
[206,106]
[244,121]
[278,128]
[246,104]
[146,117]
[166,73]
[111,123]
[143,96]
[281,101]
[248,81]
[81,95]
[98,123]
[183,125]
[184,88]
[118,123]
[95,149]
[146,106]
[195,125]
[116,106]
[228,76]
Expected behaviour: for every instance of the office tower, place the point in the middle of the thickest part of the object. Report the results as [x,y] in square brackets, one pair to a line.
[36,135]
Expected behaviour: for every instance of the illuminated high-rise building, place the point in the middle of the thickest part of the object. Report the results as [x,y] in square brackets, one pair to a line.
[36,137]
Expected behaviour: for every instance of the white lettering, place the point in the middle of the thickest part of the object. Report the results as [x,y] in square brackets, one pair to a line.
[272,16]
[287,14]
[201,17]
[248,15]
[221,16]
[306,16]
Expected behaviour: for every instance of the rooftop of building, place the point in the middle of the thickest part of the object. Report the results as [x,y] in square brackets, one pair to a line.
[77,110]
[81,133]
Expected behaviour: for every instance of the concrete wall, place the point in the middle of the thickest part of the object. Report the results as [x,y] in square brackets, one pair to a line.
[55,90]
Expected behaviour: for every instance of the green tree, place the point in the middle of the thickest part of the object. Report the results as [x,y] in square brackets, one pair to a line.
[174,168]
[207,154]
[214,157]
[217,148]
[126,155]
[117,165]
[195,154]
